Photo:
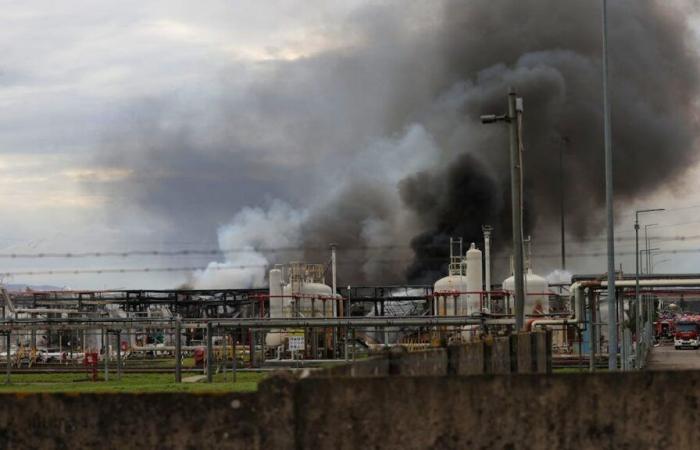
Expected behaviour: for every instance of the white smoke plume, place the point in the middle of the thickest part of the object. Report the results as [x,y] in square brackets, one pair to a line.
[559,276]
[288,231]
[245,243]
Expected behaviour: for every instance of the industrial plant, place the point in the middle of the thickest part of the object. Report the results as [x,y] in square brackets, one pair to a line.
[453,224]
[306,317]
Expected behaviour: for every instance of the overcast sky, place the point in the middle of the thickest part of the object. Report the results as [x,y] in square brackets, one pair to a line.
[95,94]
[78,78]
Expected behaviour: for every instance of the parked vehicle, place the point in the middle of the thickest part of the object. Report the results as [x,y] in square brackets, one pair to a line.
[665,329]
[51,355]
[687,334]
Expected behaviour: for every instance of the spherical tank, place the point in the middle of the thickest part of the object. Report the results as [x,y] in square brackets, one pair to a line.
[474,277]
[536,288]
[445,299]
[314,300]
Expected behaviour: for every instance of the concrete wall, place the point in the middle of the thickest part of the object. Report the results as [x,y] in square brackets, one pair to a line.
[371,367]
[643,410]
[522,353]
[602,411]
[428,362]
[120,421]
[498,356]
[466,359]
[411,399]
[542,347]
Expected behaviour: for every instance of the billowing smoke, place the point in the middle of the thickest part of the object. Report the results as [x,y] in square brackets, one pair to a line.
[244,242]
[377,141]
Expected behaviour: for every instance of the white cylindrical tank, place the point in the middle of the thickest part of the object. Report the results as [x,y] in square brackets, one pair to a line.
[307,299]
[474,274]
[536,289]
[275,337]
[276,300]
[446,291]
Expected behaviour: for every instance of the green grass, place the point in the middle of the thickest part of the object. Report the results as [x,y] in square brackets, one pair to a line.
[129,383]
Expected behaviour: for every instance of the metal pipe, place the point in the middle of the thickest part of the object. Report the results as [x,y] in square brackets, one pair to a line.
[624,354]
[612,301]
[210,353]
[577,287]
[119,355]
[658,282]
[347,331]
[576,291]
[516,210]
[487,262]
[178,350]
[419,321]
[8,368]
[334,284]
[105,357]
[225,355]
[233,342]
[15,311]
[335,301]
[638,301]
[561,202]
[592,329]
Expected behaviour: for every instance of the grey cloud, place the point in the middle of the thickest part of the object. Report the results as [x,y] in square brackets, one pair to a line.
[290,124]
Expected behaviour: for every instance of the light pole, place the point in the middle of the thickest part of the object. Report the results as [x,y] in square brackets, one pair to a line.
[612,300]
[647,243]
[647,301]
[513,118]
[636,277]
[564,143]
[487,229]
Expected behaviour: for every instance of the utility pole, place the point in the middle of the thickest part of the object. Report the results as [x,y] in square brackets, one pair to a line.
[516,185]
[513,117]
[564,143]
[178,350]
[638,300]
[636,284]
[487,229]
[612,297]
[334,300]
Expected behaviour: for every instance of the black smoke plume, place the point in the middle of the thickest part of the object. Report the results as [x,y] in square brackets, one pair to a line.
[415,78]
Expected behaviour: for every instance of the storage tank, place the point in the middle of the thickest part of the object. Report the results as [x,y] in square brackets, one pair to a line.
[275,337]
[536,287]
[308,299]
[304,295]
[474,277]
[276,300]
[443,292]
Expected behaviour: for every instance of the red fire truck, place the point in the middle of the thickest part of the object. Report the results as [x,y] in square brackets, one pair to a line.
[687,334]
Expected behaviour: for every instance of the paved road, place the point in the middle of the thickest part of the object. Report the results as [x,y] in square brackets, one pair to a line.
[667,358]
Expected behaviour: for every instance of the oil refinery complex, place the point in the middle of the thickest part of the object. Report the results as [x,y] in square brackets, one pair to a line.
[305,318]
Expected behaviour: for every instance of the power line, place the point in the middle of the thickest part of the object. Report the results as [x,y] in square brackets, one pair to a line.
[229,266]
[245,250]
[127,270]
